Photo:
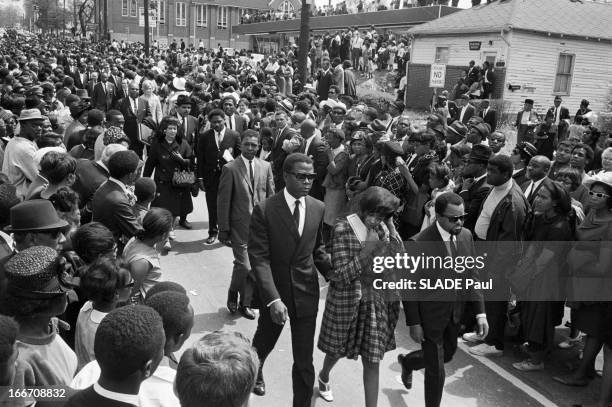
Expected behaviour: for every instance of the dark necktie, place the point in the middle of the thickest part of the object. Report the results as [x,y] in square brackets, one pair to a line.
[453,245]
[251,176]
[296,214]
[530,196]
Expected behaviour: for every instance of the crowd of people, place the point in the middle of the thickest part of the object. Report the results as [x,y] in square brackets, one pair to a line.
[104,149]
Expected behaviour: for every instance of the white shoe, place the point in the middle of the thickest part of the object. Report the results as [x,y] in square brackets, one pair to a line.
[528,366]
[571,342]
[172,235]
[472,337]
[485,350]
[325,391]
[167,245]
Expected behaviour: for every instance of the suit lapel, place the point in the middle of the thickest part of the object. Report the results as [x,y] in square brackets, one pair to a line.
[286,217]
[245,173]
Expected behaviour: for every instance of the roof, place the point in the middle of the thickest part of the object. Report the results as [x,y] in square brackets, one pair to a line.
[578,18]
[252,4]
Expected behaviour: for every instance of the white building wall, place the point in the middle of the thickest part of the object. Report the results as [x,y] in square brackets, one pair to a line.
[424,49]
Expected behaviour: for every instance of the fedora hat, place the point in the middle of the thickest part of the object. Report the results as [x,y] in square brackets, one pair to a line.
[35,273]
[286,105]
[34,215]
[30,114]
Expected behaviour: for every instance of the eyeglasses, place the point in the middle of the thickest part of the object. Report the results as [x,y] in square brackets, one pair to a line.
[303,177]
[331,92]
[599,194]
[455,219]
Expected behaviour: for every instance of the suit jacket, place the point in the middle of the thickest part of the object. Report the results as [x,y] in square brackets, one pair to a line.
[239,121]
[78,83]
[564,118]
[473,199]
[210,157]
[237,197]
[490,118]
[103,99]
[189,130]
[317,150]
[278,155]
[533,193]
[469,112]
[324,81]
[112,208]
[436,306]
[132,120]
[283,262]
[89,176]
[90,87]
[522,130]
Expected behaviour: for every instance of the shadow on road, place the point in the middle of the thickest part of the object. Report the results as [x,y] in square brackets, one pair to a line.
[214,321]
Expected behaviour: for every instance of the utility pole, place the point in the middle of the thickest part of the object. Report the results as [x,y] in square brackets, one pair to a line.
[304,40]
[146,28]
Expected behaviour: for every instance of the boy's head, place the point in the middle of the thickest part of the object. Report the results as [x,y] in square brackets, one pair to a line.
[145,190]
[176,314]
[9,329]
[106,281]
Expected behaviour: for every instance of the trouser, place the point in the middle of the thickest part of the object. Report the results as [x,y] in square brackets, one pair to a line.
[241,270]
[497,313]
[355,54]
[436,350]
[211,203]
[302,342]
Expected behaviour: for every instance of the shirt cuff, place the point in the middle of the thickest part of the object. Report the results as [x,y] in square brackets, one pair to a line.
[272,302]
[481,316]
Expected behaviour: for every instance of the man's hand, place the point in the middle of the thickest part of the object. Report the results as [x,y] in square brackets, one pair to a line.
[483,326]
[416,333]
[278,313]
[201,185]
[224,237]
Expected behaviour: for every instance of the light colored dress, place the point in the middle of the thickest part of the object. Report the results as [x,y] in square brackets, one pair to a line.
[136,250]
[86,326]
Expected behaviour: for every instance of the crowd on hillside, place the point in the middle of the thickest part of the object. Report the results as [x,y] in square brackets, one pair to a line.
[103,150]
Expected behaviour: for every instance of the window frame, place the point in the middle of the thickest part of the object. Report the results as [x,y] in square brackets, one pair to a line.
[222,16]
[134,8]
[201,11]
[286,7]
[125,8]
[161,13]
[569,75]
[181,22]
[436,54]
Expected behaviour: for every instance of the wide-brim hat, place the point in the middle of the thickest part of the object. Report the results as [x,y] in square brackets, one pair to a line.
[286,105]
[604,177]
[30,114]
[377,125]
[480,154]
[179,83]
[34,215]
[35,273]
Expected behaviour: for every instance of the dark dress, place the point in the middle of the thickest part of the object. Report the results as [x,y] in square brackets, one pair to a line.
[544,140]
[176,200]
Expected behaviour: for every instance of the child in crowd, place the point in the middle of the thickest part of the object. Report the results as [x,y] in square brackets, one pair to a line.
[440,182]
[14,372]
[105,283]
[145,191]
[371,67]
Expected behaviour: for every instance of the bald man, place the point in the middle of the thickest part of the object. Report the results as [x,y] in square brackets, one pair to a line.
[536,171]
[314,147]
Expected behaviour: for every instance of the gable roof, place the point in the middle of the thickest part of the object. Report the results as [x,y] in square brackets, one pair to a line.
[578,18]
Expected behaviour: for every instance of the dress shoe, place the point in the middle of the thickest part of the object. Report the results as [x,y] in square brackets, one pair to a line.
[260,385]
[185,224]
[570,380]
[211,239]
[406,371]
[232,301]
[247,312]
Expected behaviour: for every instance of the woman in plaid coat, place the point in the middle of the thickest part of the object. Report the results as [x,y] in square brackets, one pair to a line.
[358,320]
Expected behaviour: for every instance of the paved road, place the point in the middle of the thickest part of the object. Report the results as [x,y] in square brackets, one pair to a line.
[471,382]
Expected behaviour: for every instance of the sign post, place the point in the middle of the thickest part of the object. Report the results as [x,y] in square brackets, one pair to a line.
[437,77]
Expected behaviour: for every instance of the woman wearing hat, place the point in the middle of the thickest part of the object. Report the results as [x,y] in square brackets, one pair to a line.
[170,154]
[589,285]
[359,321]
[521,154]
[35,295]
[335,180]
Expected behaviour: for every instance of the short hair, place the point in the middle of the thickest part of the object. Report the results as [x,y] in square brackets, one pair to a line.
[126,339]
[503,163]
[220,368]
[110,150]
[101,279]
[174,309]
[145,189]
[164,286]
[123,163]
[293,159]
[426,138]
[156,222]
[587,149]
[249,133]
[9,329]
[565,143]
[571,173]
[445,199]
[216,112]
[65,199]
[95,117]
[440,171]
[93,240]
[113,113]
[56,166]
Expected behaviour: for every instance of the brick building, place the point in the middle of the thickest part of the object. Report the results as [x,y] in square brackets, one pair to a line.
[210,21]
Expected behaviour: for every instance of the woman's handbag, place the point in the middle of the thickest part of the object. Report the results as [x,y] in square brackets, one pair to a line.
[183,179]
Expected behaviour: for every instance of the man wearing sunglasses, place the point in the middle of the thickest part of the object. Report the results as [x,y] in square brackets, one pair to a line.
[285,244]
[435,317]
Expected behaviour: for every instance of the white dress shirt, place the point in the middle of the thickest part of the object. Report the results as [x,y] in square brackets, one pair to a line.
[248,163]
[120,397]
[463,110]
[291,204]
[219,137]
[533,185]
[308,142]
[230,122]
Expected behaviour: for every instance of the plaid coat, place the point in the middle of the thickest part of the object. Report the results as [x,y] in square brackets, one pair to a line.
[357,321]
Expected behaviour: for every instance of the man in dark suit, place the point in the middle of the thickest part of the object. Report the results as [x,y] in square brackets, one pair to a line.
[488,114]
[472,73]
[487,80]
[537,171]
[325,78]
[475,188]
[314,147]
[465,110]
[134,111]
[188,125]
[435,314]
[81,78]
[91,83]
[286,249]
[111,203]
[244,183]
[233,120]
[282,132]
[103,94]
[561,118]
[526,120]
[214,148]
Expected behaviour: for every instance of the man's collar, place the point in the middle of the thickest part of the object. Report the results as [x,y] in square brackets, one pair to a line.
[120,397]
[446,236]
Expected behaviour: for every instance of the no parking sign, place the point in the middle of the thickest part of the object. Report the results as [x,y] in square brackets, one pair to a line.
[437,76]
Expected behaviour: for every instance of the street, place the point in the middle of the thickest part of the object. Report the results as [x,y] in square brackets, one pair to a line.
[205,272]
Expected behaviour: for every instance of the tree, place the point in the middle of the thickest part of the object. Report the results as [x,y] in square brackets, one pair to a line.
[304,40]
[84,13]
[50,16]
[10,14]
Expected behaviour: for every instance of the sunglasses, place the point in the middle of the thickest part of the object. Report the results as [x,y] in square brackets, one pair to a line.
[599,194]
[455,219]
[300,176]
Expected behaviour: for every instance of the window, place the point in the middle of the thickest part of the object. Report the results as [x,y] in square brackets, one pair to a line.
[563,79]
[133,8]
[201,15]
[124,8]
[161,15]
[222,17]
[181,14]
[441,55]
[286,7]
